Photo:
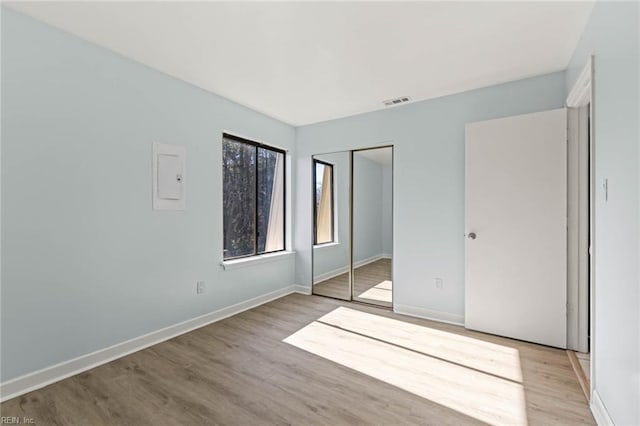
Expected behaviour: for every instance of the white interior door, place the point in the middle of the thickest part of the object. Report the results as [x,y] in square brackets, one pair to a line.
[516,208]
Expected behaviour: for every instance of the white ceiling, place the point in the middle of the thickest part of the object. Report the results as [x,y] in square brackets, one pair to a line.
[306,62]
[383,156]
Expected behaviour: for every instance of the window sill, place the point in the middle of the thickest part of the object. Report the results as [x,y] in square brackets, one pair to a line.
[319,246]
[229,265]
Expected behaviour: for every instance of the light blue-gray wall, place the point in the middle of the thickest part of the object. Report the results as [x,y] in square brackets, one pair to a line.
[367,209]
[428,139]
[612,36]
[86,262]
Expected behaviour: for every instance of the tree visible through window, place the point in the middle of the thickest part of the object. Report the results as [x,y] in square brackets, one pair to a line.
[323,202]
[253,199]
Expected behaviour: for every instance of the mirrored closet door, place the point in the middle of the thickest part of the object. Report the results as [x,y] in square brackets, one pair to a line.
[372,225]
[352,225]
[331,216]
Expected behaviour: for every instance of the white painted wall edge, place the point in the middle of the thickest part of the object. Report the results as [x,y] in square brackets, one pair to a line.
[48,375]
[599,411]
[331,274]
[439,316]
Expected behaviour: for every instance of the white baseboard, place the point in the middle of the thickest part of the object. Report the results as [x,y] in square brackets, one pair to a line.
[331,274]
[599,411]
[336,272]
[368,260]
[41,378]
[302,289]
[429,314]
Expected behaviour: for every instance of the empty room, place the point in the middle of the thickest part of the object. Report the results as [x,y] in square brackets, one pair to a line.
[320,213]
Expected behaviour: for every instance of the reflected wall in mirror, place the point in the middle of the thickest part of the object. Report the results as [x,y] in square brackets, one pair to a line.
[331,177]
[373,225]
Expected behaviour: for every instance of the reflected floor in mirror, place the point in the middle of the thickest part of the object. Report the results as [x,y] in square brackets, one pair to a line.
[372,284]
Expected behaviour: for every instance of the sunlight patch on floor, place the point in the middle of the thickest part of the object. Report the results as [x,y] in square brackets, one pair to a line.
[381,292]
[487,357]
[392,354]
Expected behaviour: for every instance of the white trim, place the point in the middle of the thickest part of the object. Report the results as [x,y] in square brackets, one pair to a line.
[580,94]
[343,270]
[302,289]
[38,379]
[599,411]
[229,265]
[326,245]
[331,274]
[428,314]
[368,260]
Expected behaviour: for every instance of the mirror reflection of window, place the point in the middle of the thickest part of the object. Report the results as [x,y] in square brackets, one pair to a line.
[323,202]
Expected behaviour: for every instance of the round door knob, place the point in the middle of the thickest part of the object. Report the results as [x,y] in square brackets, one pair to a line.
[471,235]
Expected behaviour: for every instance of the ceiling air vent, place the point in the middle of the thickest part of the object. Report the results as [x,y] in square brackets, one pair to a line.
[397,101]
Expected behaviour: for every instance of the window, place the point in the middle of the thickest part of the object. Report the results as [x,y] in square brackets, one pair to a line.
[323,202]
[253,199]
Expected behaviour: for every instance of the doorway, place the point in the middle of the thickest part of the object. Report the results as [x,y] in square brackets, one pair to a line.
[496,189]
[581,221]
[352,254]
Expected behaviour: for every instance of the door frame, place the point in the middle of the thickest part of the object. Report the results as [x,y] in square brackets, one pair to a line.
[580,96]
[577,229]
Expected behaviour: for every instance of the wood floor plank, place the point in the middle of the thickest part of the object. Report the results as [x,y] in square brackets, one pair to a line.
[245,370]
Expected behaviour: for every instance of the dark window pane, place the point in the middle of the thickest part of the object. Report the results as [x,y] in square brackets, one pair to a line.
[239,199]
[270,201]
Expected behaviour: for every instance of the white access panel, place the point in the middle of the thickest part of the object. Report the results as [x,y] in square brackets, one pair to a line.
[169,184]
[516,235]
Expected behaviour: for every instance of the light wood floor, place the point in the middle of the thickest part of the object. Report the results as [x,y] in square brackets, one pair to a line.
[372,284]
[276,364]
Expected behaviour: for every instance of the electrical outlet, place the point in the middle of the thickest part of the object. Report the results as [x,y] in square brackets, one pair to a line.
[438,282]
[200,287]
